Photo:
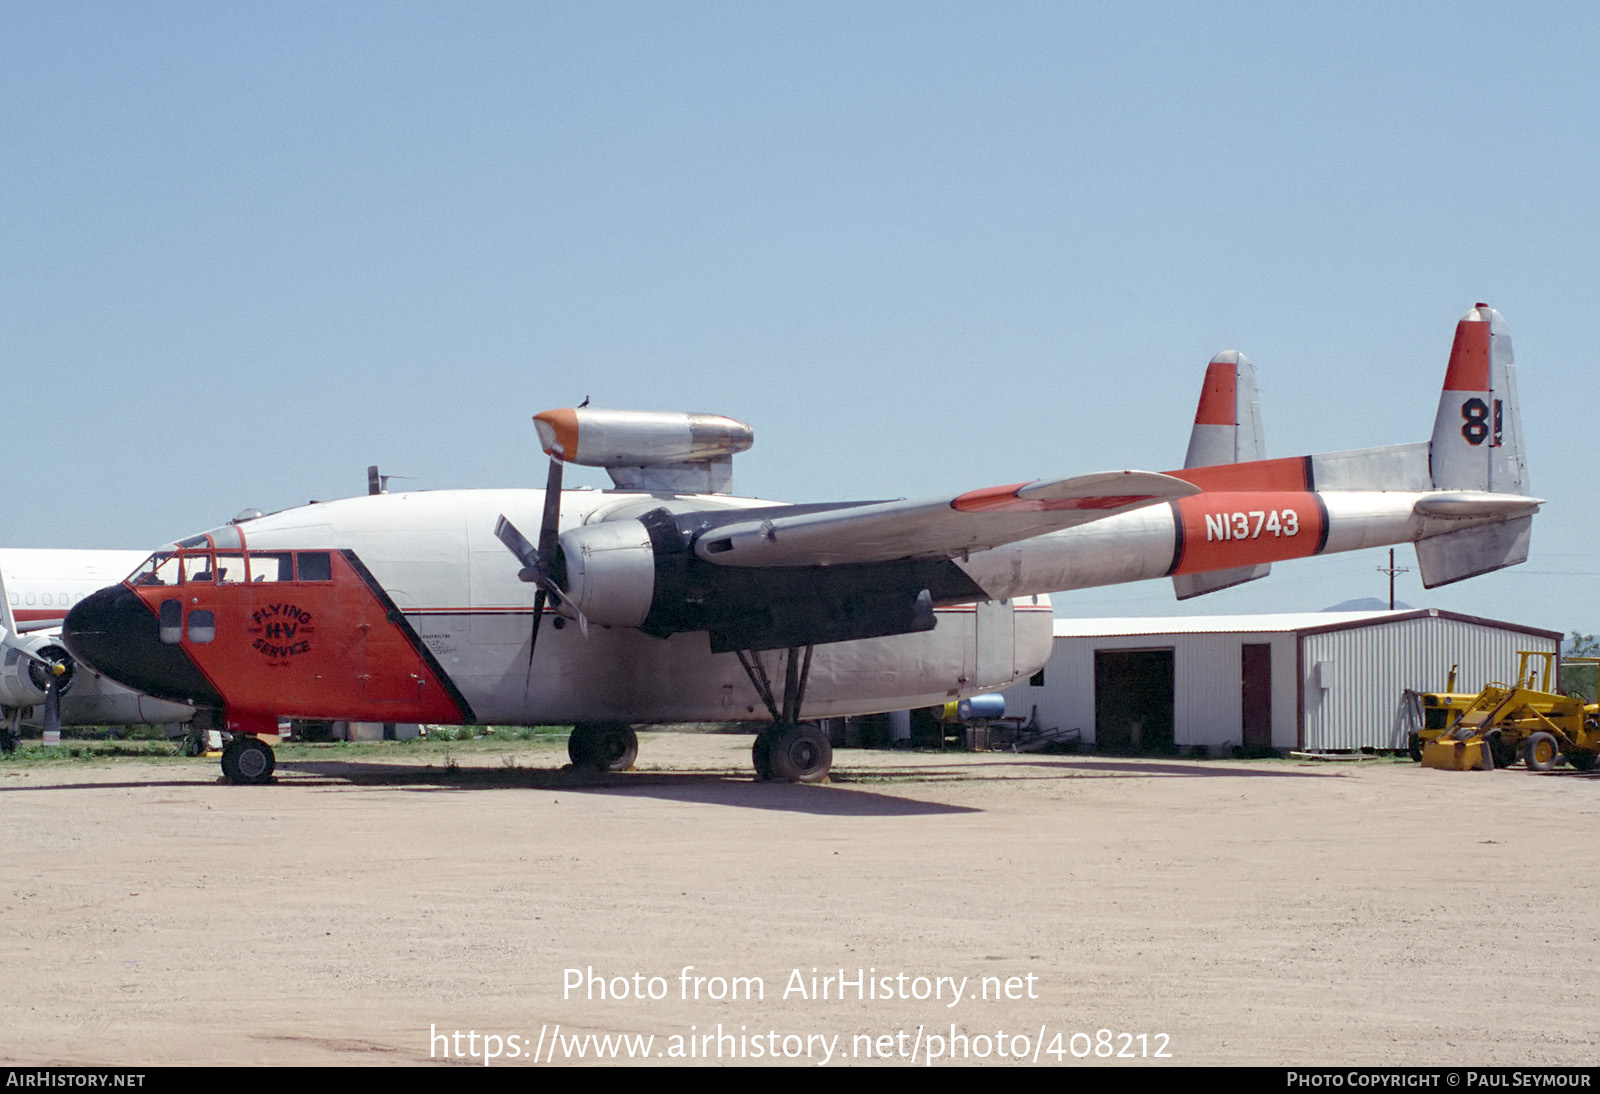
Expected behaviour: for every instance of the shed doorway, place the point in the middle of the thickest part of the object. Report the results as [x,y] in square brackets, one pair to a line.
[1133,700]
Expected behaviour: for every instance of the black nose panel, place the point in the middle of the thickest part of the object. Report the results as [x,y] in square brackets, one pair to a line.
[117,635]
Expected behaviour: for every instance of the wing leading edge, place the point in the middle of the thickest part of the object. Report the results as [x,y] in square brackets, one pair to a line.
[936,528]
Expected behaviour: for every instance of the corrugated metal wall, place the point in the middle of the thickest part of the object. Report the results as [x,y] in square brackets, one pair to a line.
[1370,667]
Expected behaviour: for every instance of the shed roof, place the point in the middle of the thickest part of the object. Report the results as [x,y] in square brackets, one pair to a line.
[1271,623]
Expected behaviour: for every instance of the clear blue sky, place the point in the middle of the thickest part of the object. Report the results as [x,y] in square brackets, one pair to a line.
[250,248]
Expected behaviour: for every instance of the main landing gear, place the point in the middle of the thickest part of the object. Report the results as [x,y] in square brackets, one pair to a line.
[789,750]
[248,761]
[603,746]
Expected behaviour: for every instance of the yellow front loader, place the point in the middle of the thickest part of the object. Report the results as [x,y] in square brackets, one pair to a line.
[1504,723]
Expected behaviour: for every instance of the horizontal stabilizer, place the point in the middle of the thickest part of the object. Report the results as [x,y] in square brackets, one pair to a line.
[1476,504]
[1455,556]
[936,528]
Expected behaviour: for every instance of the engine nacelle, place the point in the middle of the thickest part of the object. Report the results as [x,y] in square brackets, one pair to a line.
[610,572]
[23,681]
[639,438]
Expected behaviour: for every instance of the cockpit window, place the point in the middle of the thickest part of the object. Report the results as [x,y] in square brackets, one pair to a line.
[161,568]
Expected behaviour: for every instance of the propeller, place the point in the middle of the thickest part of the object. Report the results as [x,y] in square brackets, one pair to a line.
[51,675]
[538,563]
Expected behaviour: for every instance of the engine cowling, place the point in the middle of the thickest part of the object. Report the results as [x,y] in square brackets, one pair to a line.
[610,572]
[23,681]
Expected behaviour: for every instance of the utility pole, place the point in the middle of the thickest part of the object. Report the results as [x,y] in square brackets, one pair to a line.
[1391,570]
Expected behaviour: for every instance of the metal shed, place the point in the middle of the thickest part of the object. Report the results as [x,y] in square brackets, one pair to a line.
[1322,681]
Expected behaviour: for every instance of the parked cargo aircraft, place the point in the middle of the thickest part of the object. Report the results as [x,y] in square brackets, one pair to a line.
[694,605]
[37,587]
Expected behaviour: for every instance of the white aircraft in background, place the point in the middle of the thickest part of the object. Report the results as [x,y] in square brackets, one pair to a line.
[694,605]
[40,683]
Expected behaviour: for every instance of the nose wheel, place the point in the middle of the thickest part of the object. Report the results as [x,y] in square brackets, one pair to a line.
[248,761]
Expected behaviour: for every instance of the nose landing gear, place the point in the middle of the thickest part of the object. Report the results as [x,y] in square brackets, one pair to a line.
[248,761]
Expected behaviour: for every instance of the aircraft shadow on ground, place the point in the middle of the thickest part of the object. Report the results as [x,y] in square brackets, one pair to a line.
[704,786]
[698,787]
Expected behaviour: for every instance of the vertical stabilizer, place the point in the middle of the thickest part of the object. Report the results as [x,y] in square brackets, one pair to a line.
[1227,429]
[1477,436]
[1477,445]
[1227,423]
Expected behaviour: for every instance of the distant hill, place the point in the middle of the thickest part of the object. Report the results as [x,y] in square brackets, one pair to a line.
[1365,604]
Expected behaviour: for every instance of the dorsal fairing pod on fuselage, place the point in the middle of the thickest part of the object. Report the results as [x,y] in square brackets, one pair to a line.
[663,452]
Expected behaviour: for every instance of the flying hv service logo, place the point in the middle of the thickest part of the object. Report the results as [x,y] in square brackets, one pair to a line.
[280,632]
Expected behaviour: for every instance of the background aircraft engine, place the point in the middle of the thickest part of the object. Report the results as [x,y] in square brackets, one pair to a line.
[610,572]
[23,681]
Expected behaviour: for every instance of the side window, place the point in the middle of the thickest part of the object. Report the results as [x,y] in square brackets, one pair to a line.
[272,566]
[171,621]
[314,566]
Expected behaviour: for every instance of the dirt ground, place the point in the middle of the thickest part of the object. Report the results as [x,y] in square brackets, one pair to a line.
[1215,911]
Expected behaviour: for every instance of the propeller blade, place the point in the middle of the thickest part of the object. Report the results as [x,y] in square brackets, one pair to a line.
[518,545]
[52,710]
[12,641]
[533,639]
[550,525]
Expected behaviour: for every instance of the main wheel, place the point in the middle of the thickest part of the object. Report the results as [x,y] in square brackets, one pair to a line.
[1503,751]
[606,746]
[1542,752]
[801,754]
[1414,747]
[1583,761]
[248,761]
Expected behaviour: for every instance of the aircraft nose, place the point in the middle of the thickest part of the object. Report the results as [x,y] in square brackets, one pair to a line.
[116,633]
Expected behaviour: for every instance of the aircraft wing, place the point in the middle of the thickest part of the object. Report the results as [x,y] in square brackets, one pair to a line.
[935,528]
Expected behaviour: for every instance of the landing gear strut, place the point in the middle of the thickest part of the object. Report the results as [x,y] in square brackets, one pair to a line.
[788,750]
[606,746]
[248,761]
